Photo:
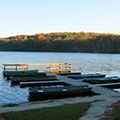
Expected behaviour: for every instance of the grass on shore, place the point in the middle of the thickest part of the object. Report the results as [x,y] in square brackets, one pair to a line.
[66,112]
[116,113]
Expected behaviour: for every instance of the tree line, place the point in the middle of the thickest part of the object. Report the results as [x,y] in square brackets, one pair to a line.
[63,42]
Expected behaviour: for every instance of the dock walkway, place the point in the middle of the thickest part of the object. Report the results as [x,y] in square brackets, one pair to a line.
[100,103]
[98,88]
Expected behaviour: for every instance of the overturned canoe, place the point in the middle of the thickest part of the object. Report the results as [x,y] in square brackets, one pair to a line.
[96,75]
[42,93]
[112,79]
[43,83]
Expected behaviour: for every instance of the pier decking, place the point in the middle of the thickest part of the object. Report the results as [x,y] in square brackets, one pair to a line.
[109,85]
[95,87]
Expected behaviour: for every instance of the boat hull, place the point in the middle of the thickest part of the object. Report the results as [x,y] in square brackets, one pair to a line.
[103,80]
[32,79]
[63,93]
[32,74]
[82,76]
[7,73]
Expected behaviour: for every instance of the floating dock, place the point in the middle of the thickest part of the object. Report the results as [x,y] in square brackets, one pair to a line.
[64,84]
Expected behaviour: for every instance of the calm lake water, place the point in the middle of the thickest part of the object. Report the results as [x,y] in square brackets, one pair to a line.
[84,62]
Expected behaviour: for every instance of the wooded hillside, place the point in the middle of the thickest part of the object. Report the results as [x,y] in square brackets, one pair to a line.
[63,42]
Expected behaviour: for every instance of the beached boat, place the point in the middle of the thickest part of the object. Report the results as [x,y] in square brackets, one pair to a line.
[42,93]
[112,79]
[96,75]
[43,83]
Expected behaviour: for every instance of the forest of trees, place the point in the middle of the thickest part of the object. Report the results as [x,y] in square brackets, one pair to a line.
[63,42]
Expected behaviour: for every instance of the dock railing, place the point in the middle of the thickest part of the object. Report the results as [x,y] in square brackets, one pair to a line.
[44,67]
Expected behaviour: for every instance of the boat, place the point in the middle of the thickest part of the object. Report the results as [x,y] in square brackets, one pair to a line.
[43,93]
[7,72]
[112,79]
[43,83]
[33,78]
[71,73]
[30,74]
[96,75]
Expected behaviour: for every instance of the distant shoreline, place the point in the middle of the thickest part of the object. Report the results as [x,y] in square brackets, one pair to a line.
[61,52]
[63,42]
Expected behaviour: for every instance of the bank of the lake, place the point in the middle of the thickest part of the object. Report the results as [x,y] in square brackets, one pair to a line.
[65,112]
[63,42]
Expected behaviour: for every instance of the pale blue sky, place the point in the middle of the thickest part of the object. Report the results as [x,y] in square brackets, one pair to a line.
[42,16]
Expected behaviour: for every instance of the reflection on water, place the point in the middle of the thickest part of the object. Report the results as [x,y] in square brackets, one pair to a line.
[84,62]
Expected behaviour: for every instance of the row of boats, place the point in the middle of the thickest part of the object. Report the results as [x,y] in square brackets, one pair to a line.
[44,85]
[96,78]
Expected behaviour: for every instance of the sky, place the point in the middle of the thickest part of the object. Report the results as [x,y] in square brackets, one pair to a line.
[43,16]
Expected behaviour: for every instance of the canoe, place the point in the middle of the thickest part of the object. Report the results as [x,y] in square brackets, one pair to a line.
[15,72]
[32,74]
[43,83]
[42,93]
[96,75]
[72,73]
[112,79]
[32,79]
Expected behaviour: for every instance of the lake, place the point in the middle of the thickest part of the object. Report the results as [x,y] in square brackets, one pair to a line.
[84,62]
